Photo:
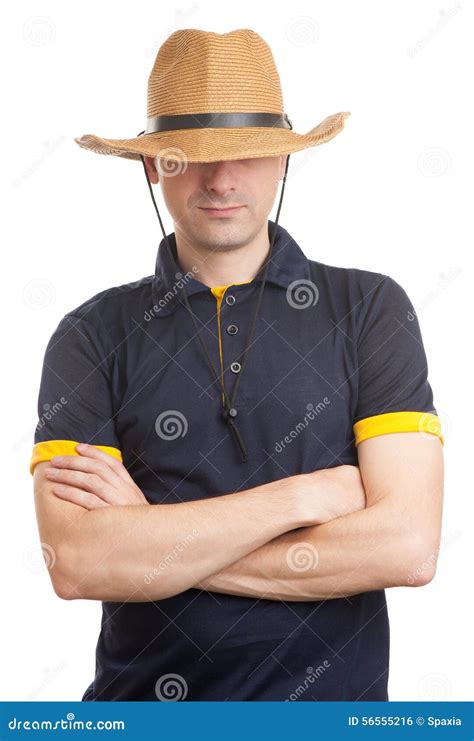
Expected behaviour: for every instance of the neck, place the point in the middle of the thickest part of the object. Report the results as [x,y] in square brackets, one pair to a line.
[225,264]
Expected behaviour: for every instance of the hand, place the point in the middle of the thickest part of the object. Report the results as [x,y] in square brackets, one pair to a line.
[93,479]
[332,492]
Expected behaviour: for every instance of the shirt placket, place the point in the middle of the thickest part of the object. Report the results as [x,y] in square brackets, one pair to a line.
[218,292]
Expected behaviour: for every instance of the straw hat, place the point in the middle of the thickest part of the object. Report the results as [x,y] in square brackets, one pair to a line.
[215,97]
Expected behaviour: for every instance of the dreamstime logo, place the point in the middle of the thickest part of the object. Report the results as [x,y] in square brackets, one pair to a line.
[296,166]
[181,281]
[171,688]
[39,30]
[171,424]
[431,560]
[302,30]
[302,293]
[434,161]
[69,723]
[434,687]
[310,415]
[39,293]
[179,547]
[49,675]
[36,556]
[170,162]
[49,412]
[444,17]
[312,676]
[424,568]
[429,425]
[444,280]
[49,148]
[302,557]
[24,441]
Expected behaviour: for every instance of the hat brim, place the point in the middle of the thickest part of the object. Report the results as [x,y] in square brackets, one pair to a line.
[216,144]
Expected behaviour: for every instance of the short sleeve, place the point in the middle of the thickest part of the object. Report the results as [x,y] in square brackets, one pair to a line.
[394,394]
[75,400]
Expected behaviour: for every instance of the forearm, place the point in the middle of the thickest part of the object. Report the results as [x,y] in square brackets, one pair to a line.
[360,552]
[141,553]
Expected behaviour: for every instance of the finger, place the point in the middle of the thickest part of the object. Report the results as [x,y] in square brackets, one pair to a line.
[88,482]
[78,496]
[86,465]
[91,451]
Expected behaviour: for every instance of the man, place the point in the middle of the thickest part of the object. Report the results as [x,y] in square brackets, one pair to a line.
[274,411]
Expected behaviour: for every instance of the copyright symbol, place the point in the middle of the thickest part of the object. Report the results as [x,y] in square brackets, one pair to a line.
[420,721]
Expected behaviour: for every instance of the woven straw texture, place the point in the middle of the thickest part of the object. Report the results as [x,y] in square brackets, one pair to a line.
[199,71]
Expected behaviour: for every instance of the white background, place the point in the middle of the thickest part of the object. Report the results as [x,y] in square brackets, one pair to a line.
[392,193]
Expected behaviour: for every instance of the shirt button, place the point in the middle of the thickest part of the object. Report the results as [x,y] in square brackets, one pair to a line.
[235,367]
[232,329]
[230,299]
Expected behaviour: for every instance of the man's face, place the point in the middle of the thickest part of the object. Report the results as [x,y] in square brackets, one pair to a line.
[192,191]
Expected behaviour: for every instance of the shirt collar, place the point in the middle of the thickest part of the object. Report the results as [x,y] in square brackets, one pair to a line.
[288,264]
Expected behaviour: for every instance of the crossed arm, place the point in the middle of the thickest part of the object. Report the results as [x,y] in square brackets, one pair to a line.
[269,547]
[394,541]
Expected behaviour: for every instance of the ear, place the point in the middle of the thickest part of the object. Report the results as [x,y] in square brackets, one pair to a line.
[283,158]
[152,172]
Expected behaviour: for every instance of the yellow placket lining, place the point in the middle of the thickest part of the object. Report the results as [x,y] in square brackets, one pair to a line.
[218,292]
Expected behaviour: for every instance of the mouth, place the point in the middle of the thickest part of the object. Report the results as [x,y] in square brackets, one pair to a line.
[230,211]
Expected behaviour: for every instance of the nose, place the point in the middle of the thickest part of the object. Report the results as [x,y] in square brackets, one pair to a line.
[219,178]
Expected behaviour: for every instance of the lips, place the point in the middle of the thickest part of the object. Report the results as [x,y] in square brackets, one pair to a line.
[222,211]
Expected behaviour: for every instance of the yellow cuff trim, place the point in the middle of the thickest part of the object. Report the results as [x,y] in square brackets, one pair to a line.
[382,424]
[46,450]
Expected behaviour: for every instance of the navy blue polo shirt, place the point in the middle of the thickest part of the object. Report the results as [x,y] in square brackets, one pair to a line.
[337,358]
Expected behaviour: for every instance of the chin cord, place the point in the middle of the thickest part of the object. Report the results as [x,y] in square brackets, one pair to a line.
[229,412]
